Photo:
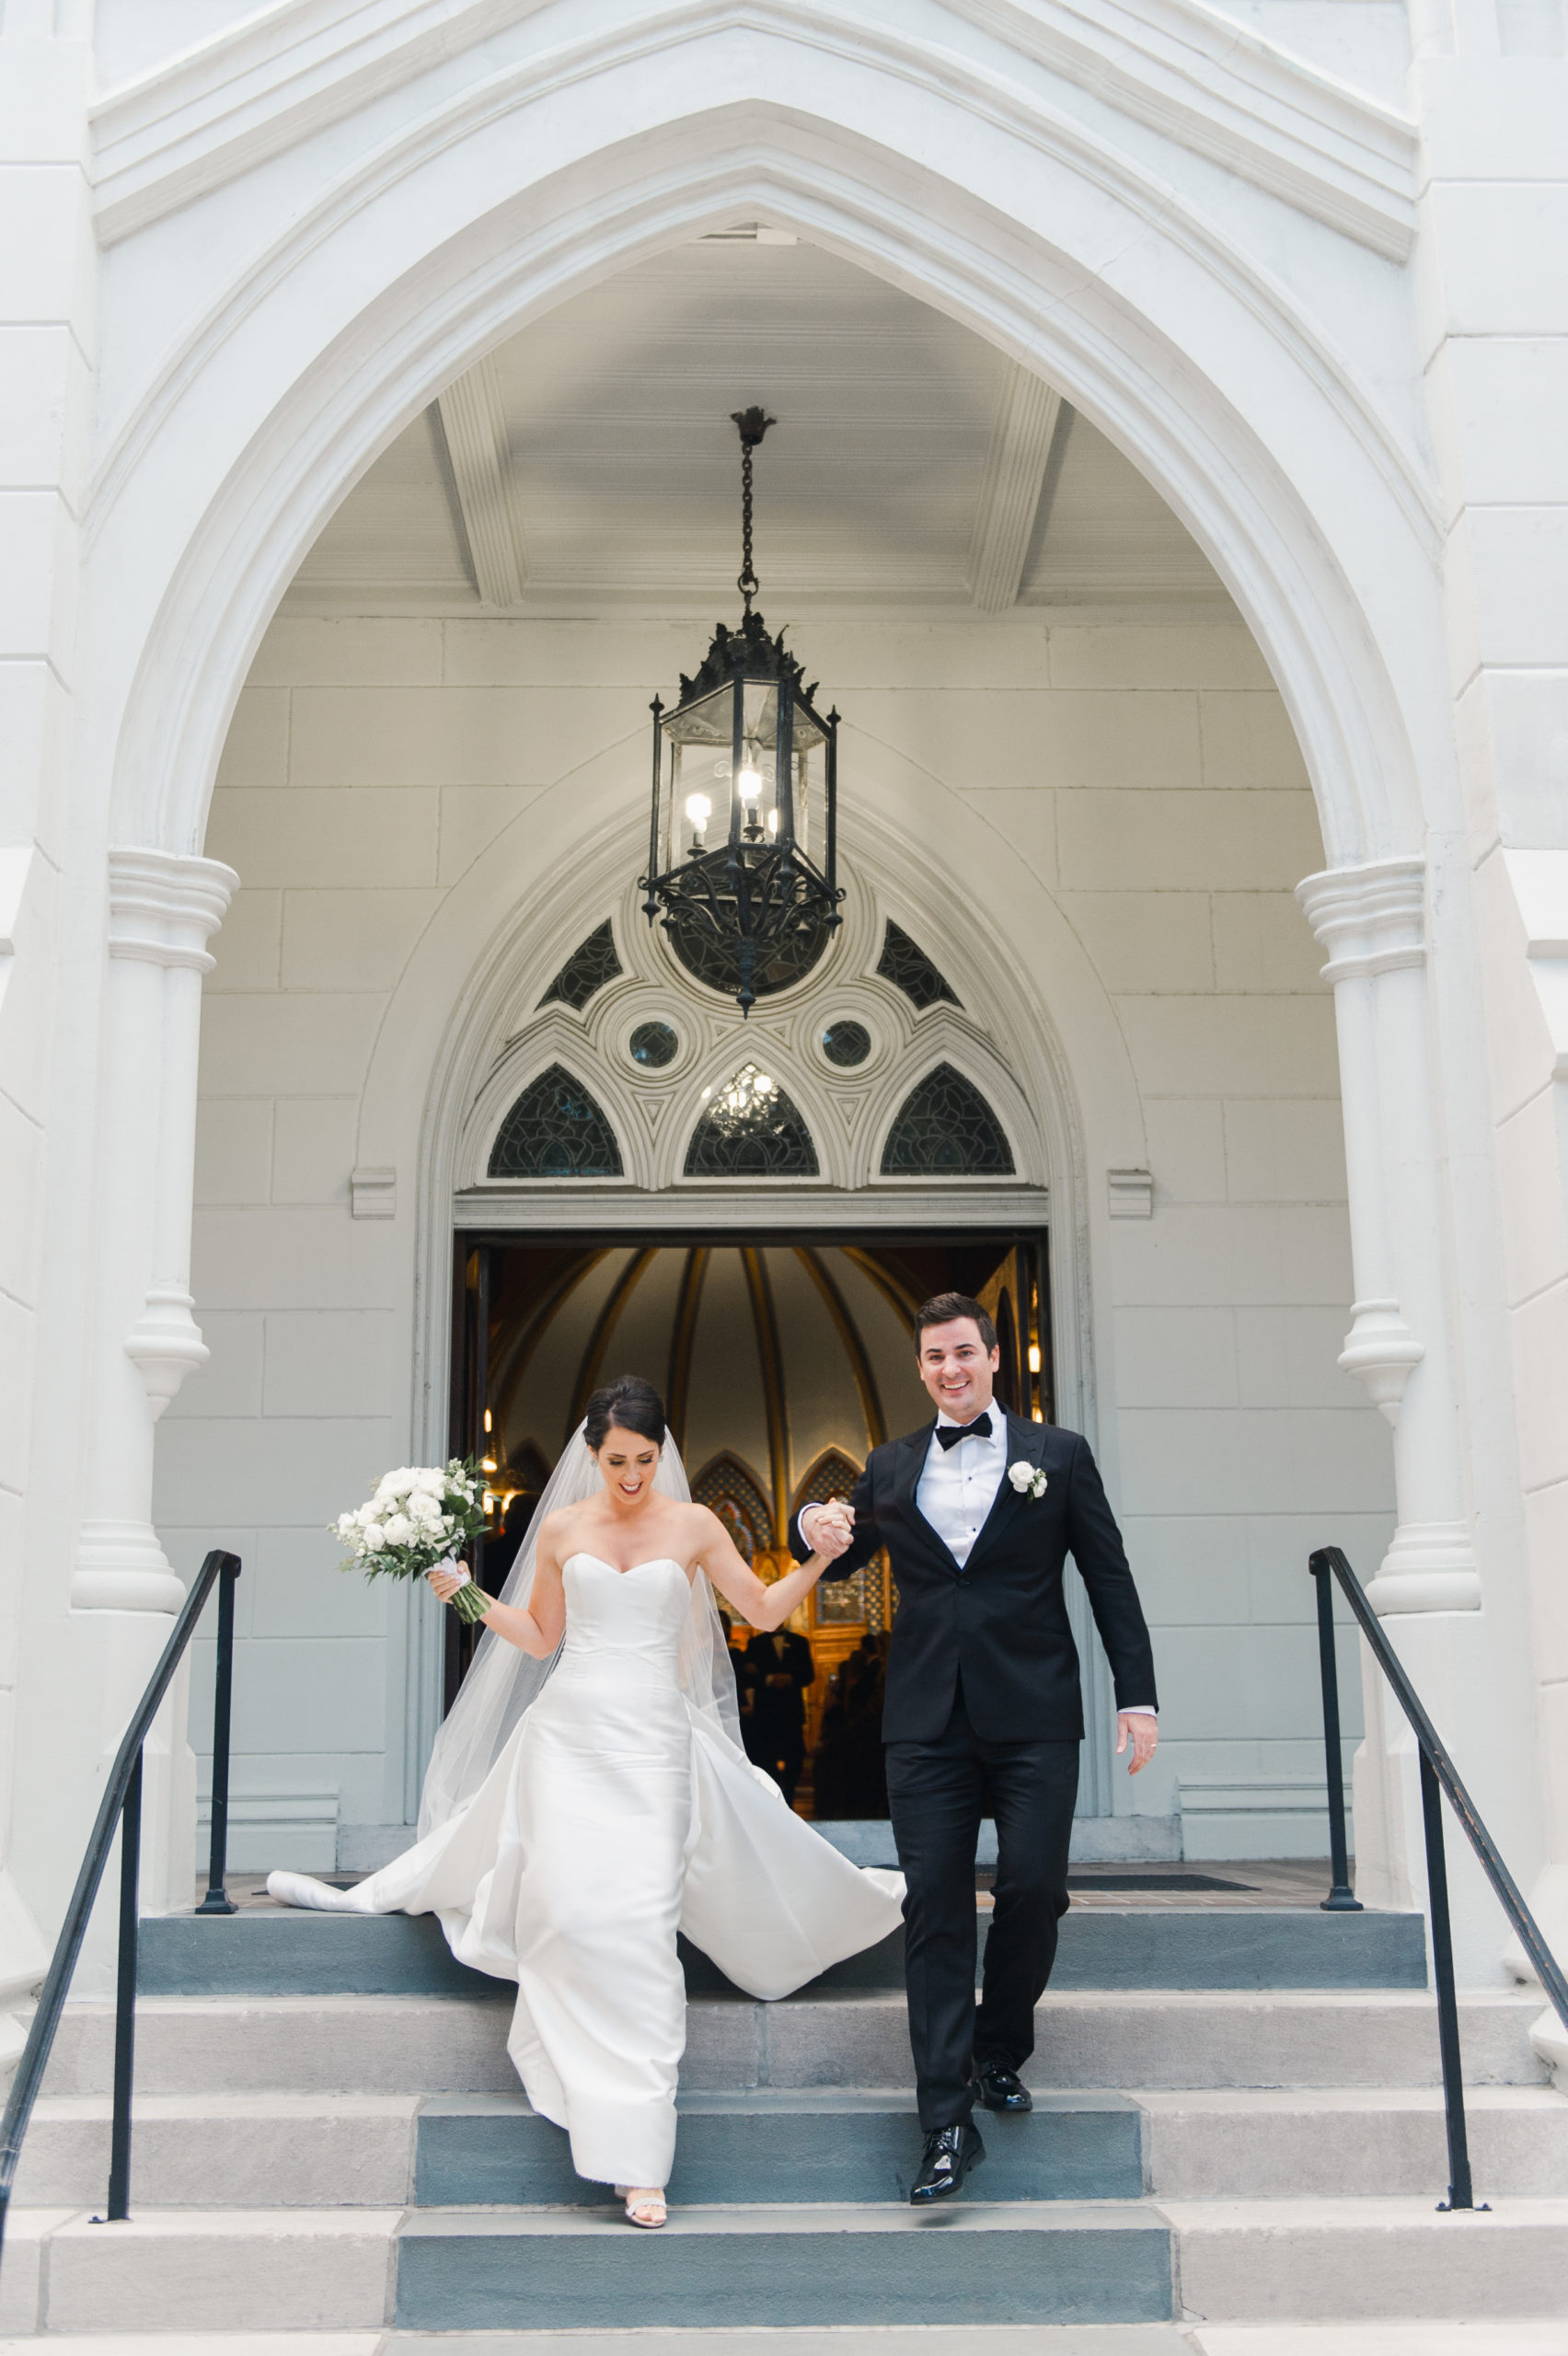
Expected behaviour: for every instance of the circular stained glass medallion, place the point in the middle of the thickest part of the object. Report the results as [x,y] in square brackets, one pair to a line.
[654,1044]
[846,1044]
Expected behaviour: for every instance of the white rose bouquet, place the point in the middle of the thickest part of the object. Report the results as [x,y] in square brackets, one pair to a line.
[418,1520]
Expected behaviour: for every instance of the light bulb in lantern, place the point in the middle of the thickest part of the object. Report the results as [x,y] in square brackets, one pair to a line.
[1034,1357]
[748,785]
[773,822]
[698,809]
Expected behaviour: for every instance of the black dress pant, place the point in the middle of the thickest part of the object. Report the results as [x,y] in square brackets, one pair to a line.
[938,1792]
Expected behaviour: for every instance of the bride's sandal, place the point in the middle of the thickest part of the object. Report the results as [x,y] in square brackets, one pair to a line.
[646,2208]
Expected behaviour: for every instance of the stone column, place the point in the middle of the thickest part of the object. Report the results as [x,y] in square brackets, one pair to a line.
[1372,922]
[163,909]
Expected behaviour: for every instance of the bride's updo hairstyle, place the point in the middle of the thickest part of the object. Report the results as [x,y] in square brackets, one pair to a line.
[630,1405]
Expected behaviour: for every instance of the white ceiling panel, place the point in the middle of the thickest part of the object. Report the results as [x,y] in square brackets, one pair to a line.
[878,485]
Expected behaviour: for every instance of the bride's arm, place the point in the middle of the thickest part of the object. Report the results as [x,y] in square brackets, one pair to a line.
[536,1629]
[760,1605]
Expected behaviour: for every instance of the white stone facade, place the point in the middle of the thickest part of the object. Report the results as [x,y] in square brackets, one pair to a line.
[1306,268]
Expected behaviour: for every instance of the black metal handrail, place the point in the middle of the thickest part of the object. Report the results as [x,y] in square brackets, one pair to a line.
[1438,1774]
[122,1801]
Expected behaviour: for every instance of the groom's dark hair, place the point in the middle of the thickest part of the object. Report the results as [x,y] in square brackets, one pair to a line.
[943,1307]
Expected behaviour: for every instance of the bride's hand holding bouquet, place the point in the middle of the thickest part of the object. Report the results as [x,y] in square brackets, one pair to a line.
[415,1526]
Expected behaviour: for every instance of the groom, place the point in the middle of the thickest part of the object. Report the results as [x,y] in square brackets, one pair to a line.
[978,1512]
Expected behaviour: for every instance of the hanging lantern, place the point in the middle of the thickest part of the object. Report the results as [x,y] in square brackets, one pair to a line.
[743,850]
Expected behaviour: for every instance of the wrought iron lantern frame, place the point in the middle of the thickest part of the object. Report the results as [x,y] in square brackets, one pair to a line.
[759,894]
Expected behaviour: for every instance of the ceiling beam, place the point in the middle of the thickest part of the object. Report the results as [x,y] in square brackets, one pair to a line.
[1028,418]
[474,422]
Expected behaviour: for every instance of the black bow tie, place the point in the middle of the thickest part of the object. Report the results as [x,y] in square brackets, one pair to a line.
[948,1434]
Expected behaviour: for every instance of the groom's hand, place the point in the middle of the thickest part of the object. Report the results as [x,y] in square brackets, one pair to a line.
[828,1528]
[1141,1730]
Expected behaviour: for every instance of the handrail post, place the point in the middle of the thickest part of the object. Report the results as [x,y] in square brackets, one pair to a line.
[1461,2194]
[125,1999]
[1342,1899]
[217,1900]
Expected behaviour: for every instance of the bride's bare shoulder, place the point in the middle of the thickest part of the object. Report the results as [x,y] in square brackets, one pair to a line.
[557,1527]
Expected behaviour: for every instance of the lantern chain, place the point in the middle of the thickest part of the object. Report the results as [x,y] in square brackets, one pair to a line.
[752,424]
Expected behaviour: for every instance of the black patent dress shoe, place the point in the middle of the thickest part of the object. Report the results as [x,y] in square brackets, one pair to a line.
[950,2154]
[1000,2088]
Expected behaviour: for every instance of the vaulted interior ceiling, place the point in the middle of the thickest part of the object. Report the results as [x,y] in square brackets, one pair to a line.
[591,461]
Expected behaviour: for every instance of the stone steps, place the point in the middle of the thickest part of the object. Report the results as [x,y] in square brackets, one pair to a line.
[1089,2039]
[848,2147]
[321,2162]
[1285,2262]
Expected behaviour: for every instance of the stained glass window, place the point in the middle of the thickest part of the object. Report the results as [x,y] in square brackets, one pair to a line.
[590,966]
[944,1129]
[727,1489]
[908,968]
[555,1130]
[750,1130]
[654,1044]
[846,1044]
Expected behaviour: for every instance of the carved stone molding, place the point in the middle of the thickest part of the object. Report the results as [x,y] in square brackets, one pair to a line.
[285,75]
[1380,1351]
[164,908]
[1131,1193]
[166,1342]
[1430,1567]
[1371,920]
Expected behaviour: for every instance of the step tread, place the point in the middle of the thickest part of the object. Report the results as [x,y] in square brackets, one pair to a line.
[966,2216]
[792,2101]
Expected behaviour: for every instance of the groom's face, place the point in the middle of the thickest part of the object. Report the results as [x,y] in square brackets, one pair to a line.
[957,1369]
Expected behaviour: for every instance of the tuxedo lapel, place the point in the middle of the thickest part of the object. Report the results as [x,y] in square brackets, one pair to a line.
[1027,1440]
[913,1450]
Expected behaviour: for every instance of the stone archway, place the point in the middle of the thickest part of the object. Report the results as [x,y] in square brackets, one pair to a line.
[1174,343]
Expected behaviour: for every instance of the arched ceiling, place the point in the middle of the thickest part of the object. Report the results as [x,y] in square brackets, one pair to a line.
[590,461]
[773,1354]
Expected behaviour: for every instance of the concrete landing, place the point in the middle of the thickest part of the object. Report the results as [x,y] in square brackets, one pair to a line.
[283,1952]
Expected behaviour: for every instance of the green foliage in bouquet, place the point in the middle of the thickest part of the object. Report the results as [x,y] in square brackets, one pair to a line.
[418,1520]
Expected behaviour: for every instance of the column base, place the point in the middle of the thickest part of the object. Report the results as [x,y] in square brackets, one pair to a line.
[1429,1567]
[121,1567]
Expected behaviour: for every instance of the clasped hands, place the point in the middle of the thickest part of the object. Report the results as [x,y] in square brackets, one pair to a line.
[828,1528]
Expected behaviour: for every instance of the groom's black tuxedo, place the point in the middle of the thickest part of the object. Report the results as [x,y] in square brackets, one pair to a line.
[984,1718]
[1001,1621]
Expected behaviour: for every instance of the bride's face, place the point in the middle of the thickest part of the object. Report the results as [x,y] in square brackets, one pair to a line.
[627,1463]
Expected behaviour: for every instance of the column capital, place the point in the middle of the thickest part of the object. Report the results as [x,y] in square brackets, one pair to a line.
[1371,920]
[164,906]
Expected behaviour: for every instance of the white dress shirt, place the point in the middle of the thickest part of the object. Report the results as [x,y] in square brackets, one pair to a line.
[957,1489]
[957,1486]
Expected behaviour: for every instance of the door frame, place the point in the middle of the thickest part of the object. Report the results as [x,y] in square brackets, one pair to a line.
[762,1218]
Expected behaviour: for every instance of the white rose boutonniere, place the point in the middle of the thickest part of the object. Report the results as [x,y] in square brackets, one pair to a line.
[1027,1478]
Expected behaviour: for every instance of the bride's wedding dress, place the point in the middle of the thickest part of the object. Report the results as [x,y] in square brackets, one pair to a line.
[616,1812]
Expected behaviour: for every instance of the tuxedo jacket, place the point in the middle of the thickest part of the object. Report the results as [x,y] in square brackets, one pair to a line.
[776,1707]
[1002,1618]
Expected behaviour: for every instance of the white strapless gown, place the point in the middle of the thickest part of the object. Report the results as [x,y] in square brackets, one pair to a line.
[615,1816]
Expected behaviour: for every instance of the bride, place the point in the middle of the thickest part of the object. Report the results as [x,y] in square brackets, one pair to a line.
[570,1827]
